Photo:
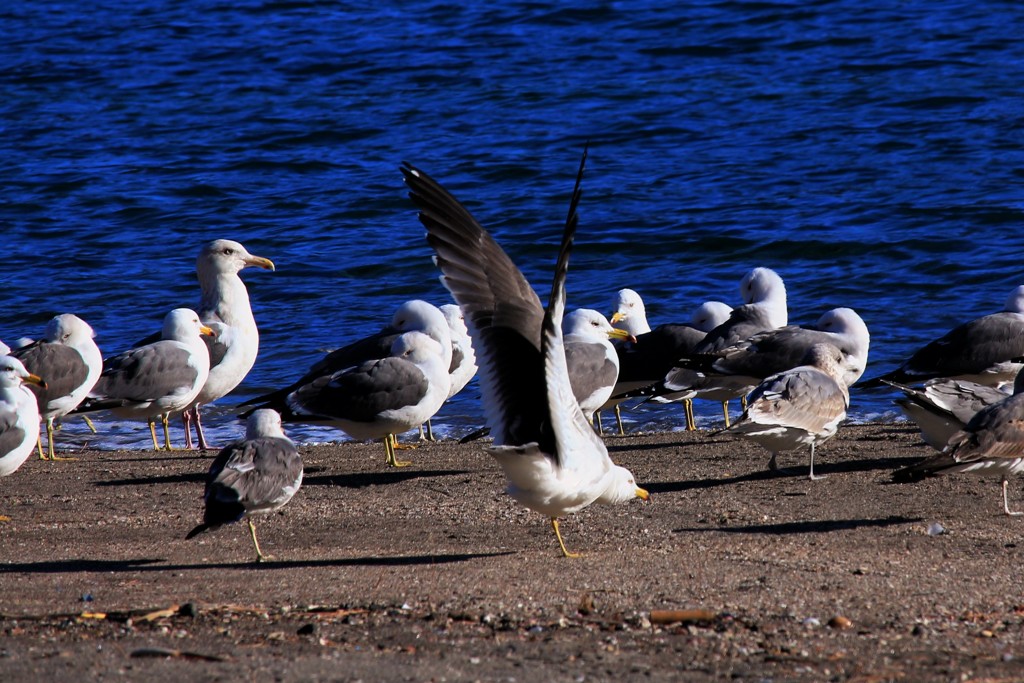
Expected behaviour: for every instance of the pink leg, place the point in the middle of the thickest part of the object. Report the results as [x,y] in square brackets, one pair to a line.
[199,431]
[186,422]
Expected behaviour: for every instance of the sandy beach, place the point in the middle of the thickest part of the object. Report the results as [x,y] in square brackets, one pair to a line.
[432,572]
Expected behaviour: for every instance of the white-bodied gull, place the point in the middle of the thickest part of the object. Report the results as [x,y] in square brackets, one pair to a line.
[555,463]
[378,399]
[942,407]
[254,476]
[155,380]
[19,415]
[70,360]
[592,361]
[992,443]
[224,306]
[986,350]
[798,407]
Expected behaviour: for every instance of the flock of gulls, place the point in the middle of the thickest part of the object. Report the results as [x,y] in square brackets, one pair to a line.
[545,375]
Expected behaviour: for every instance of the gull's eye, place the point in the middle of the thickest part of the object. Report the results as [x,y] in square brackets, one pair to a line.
[228,251]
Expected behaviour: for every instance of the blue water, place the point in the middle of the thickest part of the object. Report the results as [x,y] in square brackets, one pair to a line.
[871,153]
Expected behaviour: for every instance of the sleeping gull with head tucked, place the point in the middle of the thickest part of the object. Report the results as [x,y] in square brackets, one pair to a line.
[254,476]
[155,380]
[70,360]
[798,407]
[555,463]
[378,399]
[986,350]
[414,315]
[19,414]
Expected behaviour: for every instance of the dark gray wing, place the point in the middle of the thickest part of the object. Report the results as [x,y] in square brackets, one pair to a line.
[656,352]
[966,349]
[370,348]
[249,475]
[62,367]
[11,435]
[590,369]
[502,311]
[743,323]
[147,373]
[359,394]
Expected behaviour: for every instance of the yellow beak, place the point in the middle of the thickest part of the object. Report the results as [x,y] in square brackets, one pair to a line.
[617,316]
[642,494]
[621,334]
[207,331]
[260,262]
[35,379]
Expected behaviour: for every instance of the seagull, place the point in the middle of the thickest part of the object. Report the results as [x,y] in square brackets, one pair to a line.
[463,365]
[985,350]
[69,357]
[555,463]
[798,407]
[154,380]
[414,315]
[593,363]
[741,366]
[991,443]
[19,415]
[645,362]
[224,306]
[253,476]
[942,407]
[378,398]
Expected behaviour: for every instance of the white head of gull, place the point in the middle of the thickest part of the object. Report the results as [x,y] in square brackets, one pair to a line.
[379,398]
[554,461]
[19,414]
[225,301]
[253,476]
[798,407]
[630,313]
[154,380]
[991,443]
[70,359]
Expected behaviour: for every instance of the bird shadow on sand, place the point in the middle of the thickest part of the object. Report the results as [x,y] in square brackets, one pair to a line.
[789,472]
[186,478]
[358,480]
[805,527]
[79,566]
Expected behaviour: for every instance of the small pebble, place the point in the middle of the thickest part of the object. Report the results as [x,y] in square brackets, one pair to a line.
[936,529]
[839,622]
